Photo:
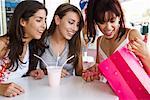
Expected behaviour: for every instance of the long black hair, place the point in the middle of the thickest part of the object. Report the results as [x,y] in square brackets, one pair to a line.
[96,13]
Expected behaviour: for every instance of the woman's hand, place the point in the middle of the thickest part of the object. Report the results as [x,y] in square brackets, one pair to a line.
[91,74]
[64,73]
[37,74]
[139,47]
[10,89]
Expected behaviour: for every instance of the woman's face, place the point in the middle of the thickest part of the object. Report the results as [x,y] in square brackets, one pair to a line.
[35,26]
[68,25]
[110,26]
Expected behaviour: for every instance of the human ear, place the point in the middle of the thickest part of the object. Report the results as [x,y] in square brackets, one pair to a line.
[22,22]
[57,19]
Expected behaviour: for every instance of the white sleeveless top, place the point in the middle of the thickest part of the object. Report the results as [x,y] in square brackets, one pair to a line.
[22,68]
[103,56]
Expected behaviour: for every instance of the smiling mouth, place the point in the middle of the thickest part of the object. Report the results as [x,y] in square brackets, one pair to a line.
[109,34]
[41,32]
[71,34]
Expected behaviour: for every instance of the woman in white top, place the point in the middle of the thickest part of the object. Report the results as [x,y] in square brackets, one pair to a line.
[109,17]
[28,26]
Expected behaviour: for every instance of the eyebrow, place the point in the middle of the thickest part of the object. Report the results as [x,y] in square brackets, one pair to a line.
[73,20]
[109,18]
[39,17]
[113,17]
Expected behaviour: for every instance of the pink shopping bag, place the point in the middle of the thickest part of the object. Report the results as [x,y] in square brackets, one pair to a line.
[126,76]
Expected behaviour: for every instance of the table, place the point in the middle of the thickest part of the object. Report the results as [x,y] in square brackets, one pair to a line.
[71,88]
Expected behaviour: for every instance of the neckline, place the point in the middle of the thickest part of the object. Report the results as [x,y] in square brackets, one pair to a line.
[52,52]
[120,46]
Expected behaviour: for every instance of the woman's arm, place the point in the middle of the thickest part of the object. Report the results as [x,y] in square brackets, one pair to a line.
[140,48]
[92,73]
[97,50]
[146,62]
[3,46]
[10,89]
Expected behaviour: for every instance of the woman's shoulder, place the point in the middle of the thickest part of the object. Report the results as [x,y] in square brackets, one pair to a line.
[4,44]
[4,41]
[133,33]
[4,38]
[131,30]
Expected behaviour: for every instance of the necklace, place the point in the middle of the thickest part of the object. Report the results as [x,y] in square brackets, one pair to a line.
[56,49]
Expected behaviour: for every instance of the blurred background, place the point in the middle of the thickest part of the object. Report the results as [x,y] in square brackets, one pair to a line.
[137,12]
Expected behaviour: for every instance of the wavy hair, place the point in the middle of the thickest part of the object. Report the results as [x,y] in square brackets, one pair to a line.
[25,10]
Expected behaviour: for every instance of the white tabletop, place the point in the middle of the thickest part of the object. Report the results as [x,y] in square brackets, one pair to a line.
[71,88]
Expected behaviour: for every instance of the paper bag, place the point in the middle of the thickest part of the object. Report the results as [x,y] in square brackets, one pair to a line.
[126,75]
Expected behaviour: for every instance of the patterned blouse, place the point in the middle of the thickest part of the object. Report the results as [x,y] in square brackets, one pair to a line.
[4,73]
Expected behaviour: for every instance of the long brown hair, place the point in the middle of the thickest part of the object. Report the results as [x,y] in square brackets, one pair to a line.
[75,41]
[25,10]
